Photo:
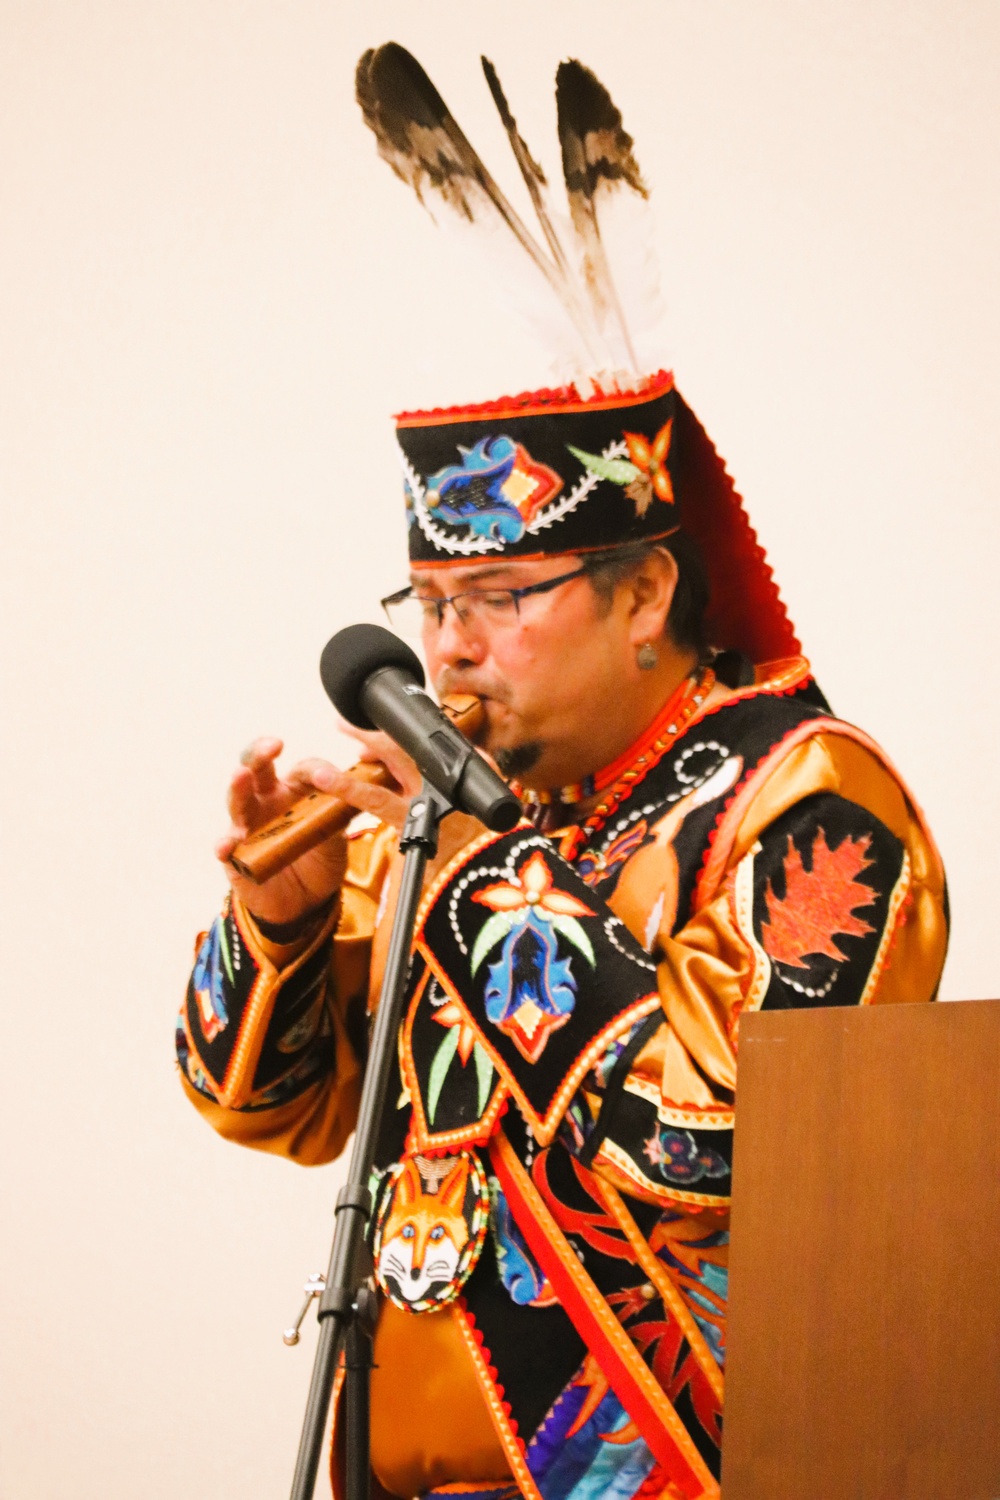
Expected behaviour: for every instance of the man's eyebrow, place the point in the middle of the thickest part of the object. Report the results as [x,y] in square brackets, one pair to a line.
[421,580]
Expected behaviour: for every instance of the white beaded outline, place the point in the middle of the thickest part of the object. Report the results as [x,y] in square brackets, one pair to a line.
[642,963]
[436,996]
[614,830]
[470,545]
[461,886]
[804,989]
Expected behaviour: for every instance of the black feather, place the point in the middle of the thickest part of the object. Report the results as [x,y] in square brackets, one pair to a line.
[532,171]
[415,130]
[423,144]
[595,144]
[598,159]
[534,177]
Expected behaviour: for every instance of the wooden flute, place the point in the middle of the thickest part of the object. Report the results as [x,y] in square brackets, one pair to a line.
[317,815]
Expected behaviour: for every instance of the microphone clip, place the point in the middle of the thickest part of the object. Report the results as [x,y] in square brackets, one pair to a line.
[420,831]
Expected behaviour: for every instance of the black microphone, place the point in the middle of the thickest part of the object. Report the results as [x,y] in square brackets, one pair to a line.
[376,682]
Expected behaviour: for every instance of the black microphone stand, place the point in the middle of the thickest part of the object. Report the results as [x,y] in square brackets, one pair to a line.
[347,1305]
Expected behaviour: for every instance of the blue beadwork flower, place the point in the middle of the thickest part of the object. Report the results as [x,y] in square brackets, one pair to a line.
[207,980]
[470,493]
[529,973]
[530,990]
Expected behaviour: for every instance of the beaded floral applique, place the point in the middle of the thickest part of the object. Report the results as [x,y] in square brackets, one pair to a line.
[530,991]
[207,980]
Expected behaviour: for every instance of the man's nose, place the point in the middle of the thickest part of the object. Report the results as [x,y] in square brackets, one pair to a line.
[454,645]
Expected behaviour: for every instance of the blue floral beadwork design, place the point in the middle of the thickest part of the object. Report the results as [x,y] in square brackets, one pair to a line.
[494,491]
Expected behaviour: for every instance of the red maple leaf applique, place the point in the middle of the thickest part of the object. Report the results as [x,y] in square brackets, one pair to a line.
[818,904]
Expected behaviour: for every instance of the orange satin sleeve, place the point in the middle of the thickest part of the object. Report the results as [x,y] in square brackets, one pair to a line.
[705,974]
[429,1422]
[313,1127]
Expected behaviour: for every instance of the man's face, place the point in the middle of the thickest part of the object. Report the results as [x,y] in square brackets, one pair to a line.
[543,675]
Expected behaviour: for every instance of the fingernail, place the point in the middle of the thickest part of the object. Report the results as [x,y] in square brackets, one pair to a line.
[324,778]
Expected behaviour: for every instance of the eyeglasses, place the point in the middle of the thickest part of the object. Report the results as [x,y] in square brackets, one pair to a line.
[414,614]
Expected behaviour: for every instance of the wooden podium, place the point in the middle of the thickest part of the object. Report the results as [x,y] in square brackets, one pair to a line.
[864,1324]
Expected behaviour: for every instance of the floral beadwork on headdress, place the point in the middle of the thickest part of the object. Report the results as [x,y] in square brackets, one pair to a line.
[495,491]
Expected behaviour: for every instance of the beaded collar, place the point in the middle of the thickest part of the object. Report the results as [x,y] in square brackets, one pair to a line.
[679,708]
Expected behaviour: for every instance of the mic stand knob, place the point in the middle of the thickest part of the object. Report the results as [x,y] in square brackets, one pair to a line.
[314,1287]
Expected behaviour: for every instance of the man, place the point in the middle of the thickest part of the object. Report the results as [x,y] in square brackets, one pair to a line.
[702,838]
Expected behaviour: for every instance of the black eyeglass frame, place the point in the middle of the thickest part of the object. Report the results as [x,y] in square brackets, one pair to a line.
[401,595]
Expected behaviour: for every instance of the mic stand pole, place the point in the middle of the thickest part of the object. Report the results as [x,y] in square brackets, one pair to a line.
[347,1306]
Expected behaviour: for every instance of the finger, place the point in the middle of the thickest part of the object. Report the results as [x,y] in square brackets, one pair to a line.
[303,776]
[322,776]
[224,847]
[265,748]
[378,746]
[241,801]
[259,757]
[386,805]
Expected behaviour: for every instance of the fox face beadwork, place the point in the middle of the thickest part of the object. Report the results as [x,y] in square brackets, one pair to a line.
[430,1227]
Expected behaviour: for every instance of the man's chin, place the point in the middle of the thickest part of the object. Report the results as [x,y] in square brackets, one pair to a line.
[517,760]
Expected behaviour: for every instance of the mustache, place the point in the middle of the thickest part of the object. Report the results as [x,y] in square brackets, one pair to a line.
[453,680]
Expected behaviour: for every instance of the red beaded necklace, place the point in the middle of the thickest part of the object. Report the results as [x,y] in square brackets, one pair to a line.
[633,764]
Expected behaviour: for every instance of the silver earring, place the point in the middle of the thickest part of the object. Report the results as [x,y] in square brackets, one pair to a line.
[646,657]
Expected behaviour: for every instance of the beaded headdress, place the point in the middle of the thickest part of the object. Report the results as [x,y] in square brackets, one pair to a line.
[612,455]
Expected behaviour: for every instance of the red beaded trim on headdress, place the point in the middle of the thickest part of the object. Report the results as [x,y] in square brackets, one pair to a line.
[564,398]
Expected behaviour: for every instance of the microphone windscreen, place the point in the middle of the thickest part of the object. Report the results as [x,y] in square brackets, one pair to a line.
[349,659]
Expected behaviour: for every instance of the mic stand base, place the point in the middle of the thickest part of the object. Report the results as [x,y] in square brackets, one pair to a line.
[347,1305]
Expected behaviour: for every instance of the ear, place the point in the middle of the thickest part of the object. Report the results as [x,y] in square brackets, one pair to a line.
[451,1193]
[650,594]
[409,1187]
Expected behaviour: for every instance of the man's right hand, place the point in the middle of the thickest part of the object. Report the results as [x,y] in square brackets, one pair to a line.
[256,795]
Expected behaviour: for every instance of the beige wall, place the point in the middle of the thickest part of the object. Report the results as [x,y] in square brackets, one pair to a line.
[211,295]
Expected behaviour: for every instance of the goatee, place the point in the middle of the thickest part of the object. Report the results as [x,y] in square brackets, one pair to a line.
[519,758]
